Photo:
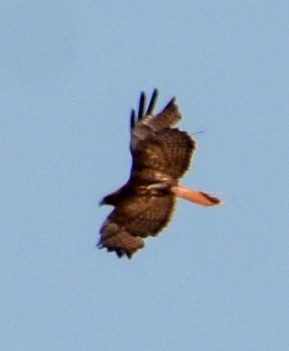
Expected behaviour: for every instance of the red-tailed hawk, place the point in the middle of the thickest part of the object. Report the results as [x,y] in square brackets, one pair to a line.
[161,155]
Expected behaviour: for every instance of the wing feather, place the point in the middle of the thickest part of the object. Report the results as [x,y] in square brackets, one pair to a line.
[152,102]
[142,103]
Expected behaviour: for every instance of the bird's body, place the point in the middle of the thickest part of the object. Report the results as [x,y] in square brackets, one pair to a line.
[144,205]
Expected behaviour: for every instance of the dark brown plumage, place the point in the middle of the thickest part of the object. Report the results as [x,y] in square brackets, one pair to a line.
[144,205]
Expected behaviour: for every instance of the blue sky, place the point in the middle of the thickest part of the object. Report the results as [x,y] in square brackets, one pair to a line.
[215,279]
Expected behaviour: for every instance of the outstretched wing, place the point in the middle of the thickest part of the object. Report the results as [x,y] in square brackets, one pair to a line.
[134,218]
[155,144]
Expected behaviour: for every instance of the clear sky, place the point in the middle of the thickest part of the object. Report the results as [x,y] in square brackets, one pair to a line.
[215,279]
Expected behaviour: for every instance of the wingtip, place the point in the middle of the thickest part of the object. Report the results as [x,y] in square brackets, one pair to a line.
[132,119]
[142,102]
[155,93]
[153,101]
[172,101]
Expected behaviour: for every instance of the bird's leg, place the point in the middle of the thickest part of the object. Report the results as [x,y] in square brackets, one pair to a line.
[196,196]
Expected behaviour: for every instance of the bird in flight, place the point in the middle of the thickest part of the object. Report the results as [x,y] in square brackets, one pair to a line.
[161,154]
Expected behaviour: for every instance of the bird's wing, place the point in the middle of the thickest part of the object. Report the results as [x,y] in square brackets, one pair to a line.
[135,217]
[155,144]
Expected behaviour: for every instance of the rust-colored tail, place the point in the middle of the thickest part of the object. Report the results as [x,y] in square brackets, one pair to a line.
[196,196]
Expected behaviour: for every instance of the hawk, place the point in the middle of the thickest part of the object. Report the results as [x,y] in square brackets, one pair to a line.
[161,154]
